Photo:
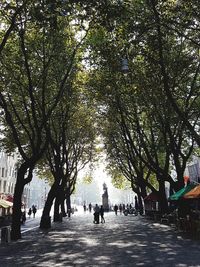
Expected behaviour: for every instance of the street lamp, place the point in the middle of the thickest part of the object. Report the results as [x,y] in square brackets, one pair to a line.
[124,66]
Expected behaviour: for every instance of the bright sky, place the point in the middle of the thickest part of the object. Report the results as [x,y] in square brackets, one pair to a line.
[100,176]
[115,195]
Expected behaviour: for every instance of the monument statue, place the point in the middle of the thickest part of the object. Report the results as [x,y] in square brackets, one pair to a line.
[105,197]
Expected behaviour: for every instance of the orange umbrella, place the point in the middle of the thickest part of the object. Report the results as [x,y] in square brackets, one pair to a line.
[194,193]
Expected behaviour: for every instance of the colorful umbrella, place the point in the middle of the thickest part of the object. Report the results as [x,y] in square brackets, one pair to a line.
[5,204]
[194,193]
[182,192]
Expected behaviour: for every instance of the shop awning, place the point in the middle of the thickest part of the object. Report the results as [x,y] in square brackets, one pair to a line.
[5,204]
[194,193]
[151,197]
[7,197]
[182,192]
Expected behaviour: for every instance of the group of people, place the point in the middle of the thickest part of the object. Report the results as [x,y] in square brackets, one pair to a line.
[30,211]
[122,207]
[98,213]
[89,207]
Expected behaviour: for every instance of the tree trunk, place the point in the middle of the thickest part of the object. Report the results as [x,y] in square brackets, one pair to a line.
[140,204]
[17,202]
[62,201]
[45,222]
[68,199]
[63,208]
[57,204]
[162,197]
[68,202]
[56,217]
[180,179]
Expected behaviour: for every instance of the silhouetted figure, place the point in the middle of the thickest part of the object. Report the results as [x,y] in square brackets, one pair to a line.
[115,209]
[120,208]
[102,214]
[96,214]
[34,210]
[29,212]
[136,203]
[23,217]
[69,212]
[90,207]
[84,208]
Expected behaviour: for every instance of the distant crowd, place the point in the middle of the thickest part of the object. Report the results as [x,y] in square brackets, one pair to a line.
[31,211]
[99,210]
[116,207]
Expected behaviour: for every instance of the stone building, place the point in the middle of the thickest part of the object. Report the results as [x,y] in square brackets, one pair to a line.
[34,192]
[7,173]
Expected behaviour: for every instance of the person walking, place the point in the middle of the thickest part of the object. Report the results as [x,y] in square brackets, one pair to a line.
[84,207]
[102,214]
[90,207]
[96,214]
[115,209]
[29,212]
[23,217]
[120,208]
[34,211]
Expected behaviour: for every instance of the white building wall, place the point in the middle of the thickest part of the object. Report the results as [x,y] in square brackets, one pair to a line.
[35,193]
[193,170]
[7,172]
[39,189]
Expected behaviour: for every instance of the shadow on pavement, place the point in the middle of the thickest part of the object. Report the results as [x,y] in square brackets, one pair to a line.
[121,241]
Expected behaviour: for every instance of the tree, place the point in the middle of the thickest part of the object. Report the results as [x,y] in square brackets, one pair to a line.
[71,147]
[187,110]
[9,15]
[31,87]
[138,106]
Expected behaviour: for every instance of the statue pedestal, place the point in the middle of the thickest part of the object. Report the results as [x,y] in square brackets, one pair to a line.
[105,198]
[105,202]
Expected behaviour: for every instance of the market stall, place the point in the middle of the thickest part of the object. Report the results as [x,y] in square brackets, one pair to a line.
[151,205]
[5,211]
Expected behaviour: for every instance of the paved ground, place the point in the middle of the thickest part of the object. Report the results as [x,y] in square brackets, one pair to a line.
[121,241]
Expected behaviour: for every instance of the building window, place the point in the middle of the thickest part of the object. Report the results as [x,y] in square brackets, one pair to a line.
[8,188]
[194,172]
[2,172]
[0,186]
[4,187]
[13,188]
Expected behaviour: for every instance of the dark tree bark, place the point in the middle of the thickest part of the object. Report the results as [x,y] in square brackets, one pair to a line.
[56,217]
[162,197]
[68,202]
[45,222]
[17,202]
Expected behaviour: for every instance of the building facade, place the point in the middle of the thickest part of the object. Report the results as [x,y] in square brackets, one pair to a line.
[35,193]
[193,170]
[8,173]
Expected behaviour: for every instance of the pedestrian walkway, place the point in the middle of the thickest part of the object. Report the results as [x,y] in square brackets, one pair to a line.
[121,241]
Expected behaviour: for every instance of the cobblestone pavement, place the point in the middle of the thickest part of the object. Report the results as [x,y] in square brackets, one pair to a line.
[121,241]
